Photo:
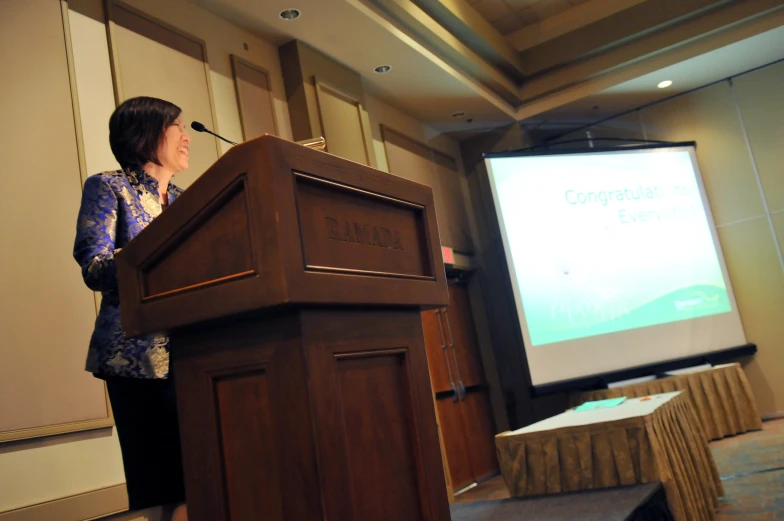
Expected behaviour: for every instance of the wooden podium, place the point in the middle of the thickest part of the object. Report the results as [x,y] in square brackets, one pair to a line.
[291,283]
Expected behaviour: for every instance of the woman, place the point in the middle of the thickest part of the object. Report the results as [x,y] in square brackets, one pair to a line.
[148,139]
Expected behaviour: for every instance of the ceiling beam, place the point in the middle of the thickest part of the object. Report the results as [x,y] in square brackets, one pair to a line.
[421,27]
[616,30]
[382,17]
[567,21]
[462,20]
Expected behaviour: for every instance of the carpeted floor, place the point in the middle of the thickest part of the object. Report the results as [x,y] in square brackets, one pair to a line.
[752,469]
[638,503]
[751,466]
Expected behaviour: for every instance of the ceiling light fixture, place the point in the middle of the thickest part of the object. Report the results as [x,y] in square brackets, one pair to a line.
[664,84]
[381,69]
[459,114]
[290,14]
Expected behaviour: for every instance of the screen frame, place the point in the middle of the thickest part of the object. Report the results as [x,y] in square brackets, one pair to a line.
[590,380]
[602,380]
[536,151]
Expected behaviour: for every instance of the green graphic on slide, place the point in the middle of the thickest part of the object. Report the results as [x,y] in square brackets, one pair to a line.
[566,321]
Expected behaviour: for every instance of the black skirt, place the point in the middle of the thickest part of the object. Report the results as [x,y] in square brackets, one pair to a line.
[145,414]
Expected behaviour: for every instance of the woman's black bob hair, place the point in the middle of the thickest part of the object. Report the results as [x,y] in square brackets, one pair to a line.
[136,129]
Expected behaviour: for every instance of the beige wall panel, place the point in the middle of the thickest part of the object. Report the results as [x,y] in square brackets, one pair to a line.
[254,97]
[93,82]
[91,505]
[708,116]
[383,114]
[224,39]
[304,67]
[778,227]
[412,160]
[387,116]
[48,313]
[48,469]
[348,83]
[455,210]
[156,61]
[311,98]
[315,64]
[758,282]
[344,128]
[761,103]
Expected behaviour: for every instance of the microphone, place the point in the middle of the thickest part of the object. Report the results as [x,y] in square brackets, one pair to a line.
[198,127]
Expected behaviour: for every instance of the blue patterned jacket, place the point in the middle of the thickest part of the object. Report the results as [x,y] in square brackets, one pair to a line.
[116,206]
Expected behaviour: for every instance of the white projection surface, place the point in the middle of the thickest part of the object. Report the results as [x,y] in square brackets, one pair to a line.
[614,260]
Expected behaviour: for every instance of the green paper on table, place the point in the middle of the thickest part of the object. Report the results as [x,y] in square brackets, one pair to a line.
[600,404]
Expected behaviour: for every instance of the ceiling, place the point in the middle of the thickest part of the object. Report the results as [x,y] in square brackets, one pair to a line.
[717,65]
[509,16]
[501,61]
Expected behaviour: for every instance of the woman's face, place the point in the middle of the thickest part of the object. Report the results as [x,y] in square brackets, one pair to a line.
[173,150]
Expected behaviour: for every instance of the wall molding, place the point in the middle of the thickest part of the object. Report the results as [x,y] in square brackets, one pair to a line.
[69,54]
[91,505]
[322,89]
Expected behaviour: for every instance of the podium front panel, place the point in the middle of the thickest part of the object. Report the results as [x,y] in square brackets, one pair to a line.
[352,231]
[314,414]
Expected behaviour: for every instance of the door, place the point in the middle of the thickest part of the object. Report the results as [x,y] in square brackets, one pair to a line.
[459,385]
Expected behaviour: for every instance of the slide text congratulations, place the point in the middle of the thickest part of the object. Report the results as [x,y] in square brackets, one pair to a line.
[640,193]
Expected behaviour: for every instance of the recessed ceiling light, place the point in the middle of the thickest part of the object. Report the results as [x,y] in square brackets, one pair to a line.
[290,14]
[664,84]
[458,114]
[381,69]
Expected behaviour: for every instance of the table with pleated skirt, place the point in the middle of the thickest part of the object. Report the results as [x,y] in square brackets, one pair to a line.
[721,397]
[642,440]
